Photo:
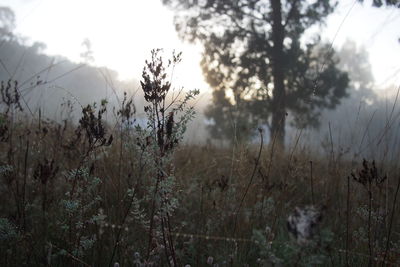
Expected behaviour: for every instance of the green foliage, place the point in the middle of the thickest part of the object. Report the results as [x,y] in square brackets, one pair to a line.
[289,253]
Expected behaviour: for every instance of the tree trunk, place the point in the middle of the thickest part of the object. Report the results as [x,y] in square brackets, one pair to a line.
[278,93]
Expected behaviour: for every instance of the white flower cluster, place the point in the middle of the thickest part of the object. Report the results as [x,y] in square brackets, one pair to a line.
[303,223]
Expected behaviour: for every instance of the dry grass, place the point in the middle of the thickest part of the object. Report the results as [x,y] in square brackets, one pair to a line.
[93,195]
[210,184]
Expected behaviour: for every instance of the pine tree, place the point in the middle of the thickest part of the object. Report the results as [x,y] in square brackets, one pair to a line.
[257,62]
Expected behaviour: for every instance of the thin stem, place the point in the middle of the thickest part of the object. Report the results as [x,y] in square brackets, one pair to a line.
[347,220]
[250,182]
[171,241]
[24,185]
[268,173]
[153,207]
[312,182]
[331,139]
[165,241]
[391,222]
[121,229]
[120,161]
[369,224]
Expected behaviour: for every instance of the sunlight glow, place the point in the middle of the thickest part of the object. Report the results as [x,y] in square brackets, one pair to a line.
[122,33]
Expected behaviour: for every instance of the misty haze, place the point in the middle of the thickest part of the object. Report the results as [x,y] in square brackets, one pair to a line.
[199,133]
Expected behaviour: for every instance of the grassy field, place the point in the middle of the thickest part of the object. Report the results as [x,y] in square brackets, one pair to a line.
[91,194]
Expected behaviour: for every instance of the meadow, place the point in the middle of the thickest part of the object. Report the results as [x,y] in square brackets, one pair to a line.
[92,193]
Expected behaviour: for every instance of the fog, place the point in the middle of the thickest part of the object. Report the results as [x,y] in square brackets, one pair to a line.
[365,123]
[60,88]
[46,82]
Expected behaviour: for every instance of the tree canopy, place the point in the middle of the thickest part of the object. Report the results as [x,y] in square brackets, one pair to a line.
[259,64]
[379,3]
[7,21]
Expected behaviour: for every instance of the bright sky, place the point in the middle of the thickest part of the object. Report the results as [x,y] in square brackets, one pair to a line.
[377,29]
[122,32]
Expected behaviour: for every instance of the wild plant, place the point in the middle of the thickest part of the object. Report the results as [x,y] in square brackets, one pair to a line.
[308,244]
[158,141]
[131,194]
[369,178]
[10,96]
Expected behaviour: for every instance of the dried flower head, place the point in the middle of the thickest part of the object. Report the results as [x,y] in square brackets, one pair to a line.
[93,127]
[368,174]
[45,171]
[10,95]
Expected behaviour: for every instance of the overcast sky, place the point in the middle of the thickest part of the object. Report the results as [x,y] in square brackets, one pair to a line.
[122,32]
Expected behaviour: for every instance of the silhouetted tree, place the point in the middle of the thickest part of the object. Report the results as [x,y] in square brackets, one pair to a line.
[355,61]
[7,22]
[253,51]
[87,54]
[379,3]
[388,3]
[365,123]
